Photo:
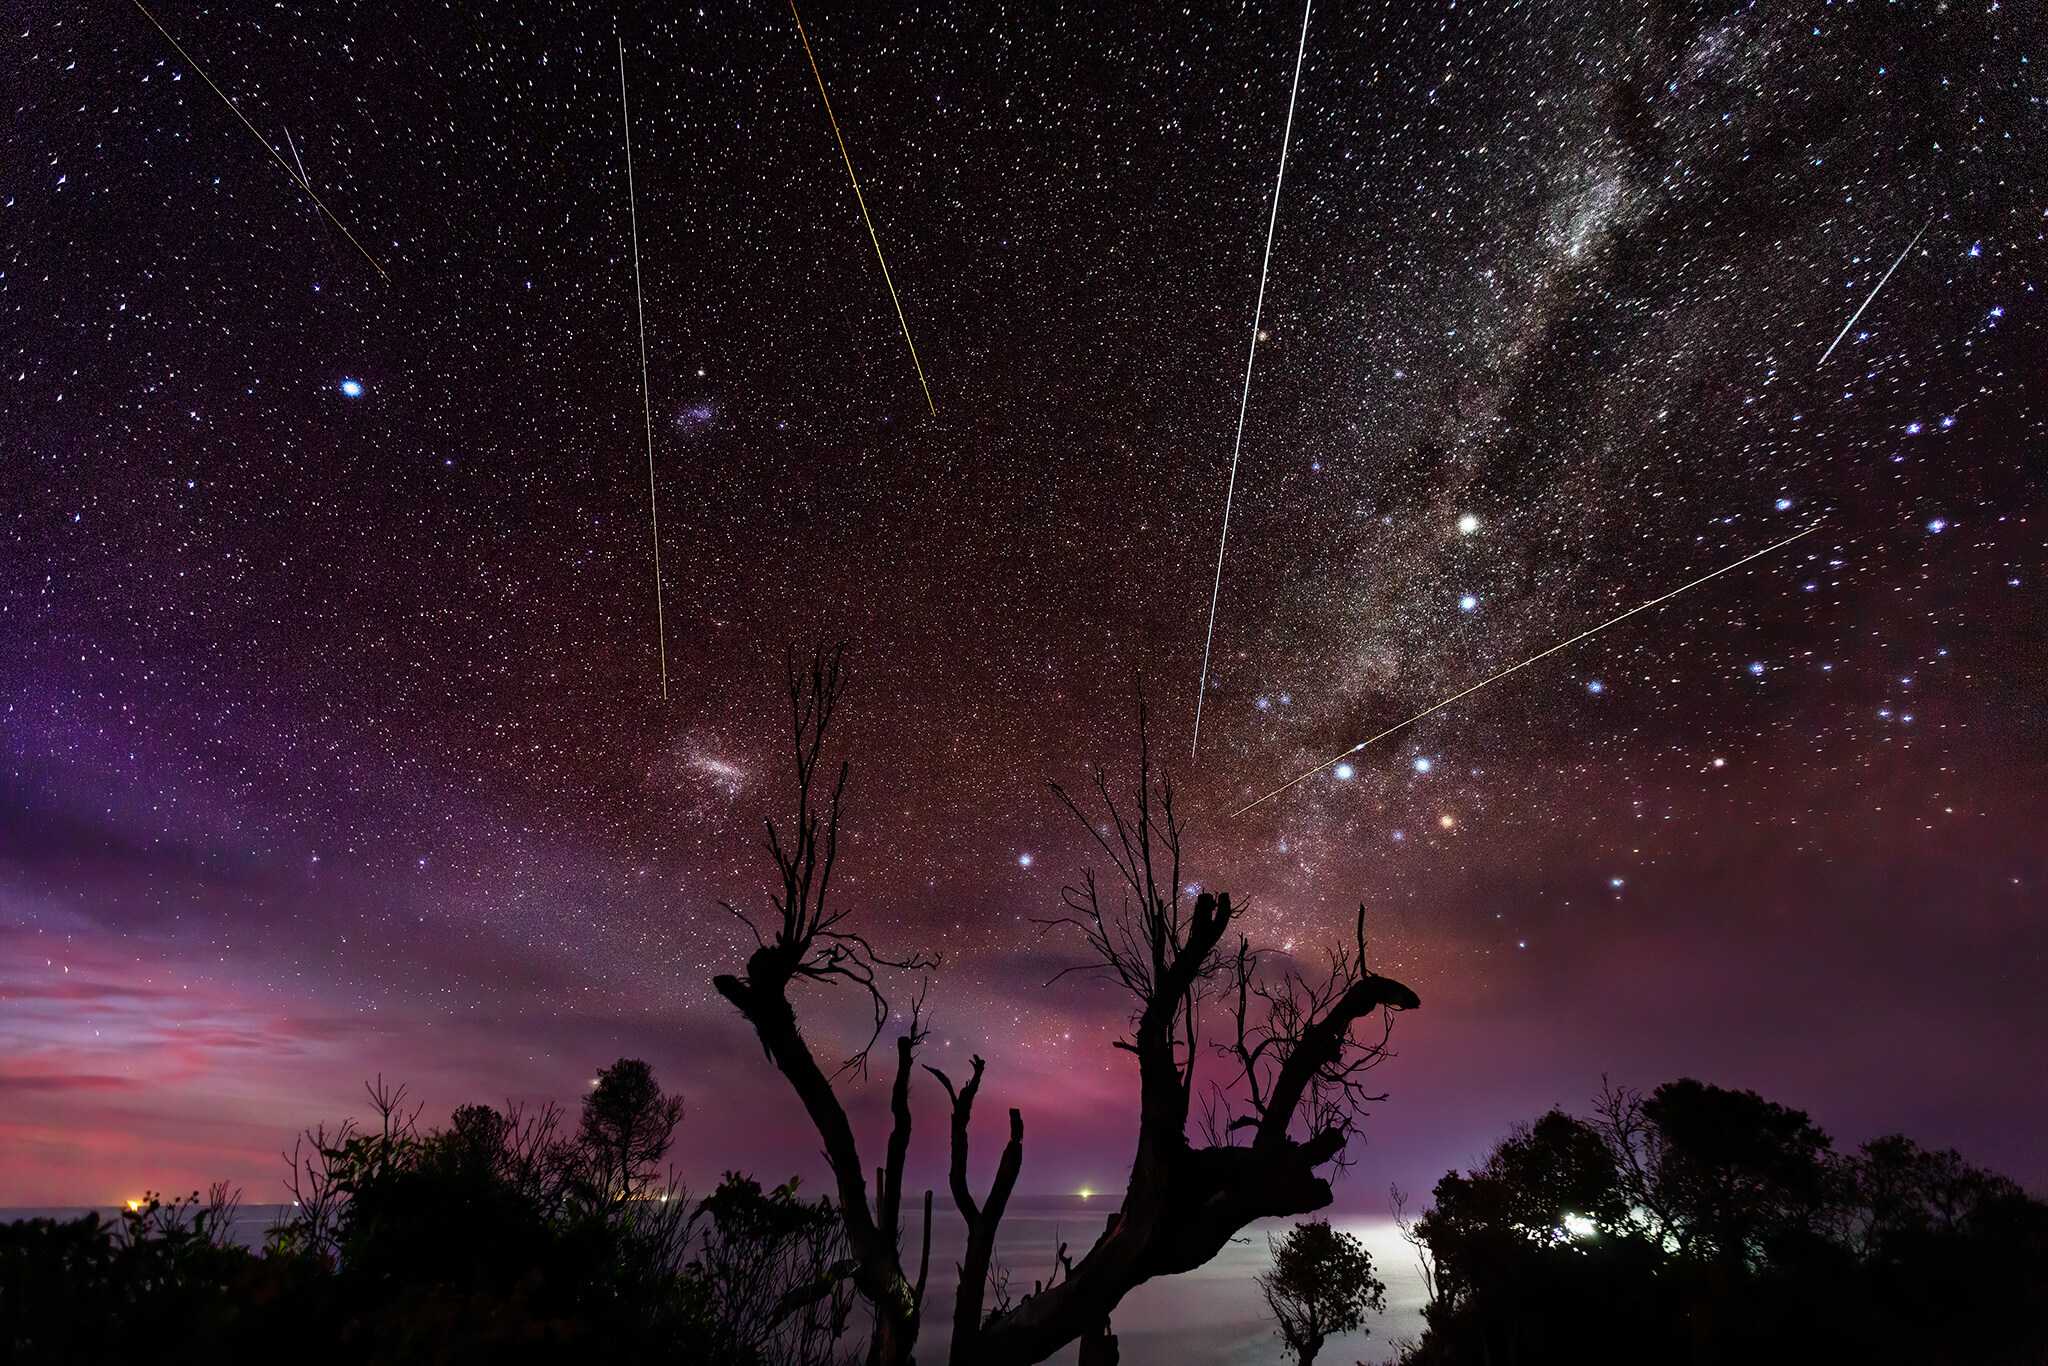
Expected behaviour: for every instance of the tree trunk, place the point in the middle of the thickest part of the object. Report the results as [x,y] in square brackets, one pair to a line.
[1098,1346]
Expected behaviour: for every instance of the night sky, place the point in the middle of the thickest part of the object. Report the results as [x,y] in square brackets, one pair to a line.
[331,733]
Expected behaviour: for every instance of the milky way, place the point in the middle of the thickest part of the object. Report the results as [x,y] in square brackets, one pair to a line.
[333,732]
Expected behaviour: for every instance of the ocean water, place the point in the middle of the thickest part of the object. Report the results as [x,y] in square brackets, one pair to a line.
[248,1226]
[1211,1316]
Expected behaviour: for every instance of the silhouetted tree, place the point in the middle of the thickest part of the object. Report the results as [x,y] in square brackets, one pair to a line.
[1292,1101]
[808,941]
[1292,1097]
[1321,1284]
[626,1128]
[1515,1246]
[1731,1173]
[1706,1225]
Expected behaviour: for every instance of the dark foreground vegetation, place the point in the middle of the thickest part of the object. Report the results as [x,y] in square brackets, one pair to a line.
[1700,1225]
[507,1236]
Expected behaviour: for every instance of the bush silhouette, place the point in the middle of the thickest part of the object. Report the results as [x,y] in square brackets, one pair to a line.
[1703,1225]
[498,1238]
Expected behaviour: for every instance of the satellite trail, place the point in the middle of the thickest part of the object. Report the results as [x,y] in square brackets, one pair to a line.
[646,401]
[1872,295]
[274,154]
[1244,399]
[862,201]
[1401,725]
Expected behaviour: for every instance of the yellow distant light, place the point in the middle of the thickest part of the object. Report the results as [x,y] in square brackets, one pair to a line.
[1086,1194]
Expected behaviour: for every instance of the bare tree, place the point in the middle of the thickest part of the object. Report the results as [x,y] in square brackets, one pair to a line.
[1291,1103]
[808,941]
[1292,1098]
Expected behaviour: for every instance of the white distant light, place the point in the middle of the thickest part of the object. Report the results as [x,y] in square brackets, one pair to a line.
[1467,524]
[351,388]
[1024,860]
[1422,765]
[1344,772]
[1579,1226]
[1467,603]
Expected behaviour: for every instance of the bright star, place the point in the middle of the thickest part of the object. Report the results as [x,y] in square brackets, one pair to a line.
[1937,525]
[351,388]
[1467,603]
[1422,765]
[1467,524]
[1756,668]
[1596,686]
[1024,860]
[1344,772]
[1784,503]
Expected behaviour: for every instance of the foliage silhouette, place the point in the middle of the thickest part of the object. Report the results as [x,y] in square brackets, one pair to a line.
[1704,1225]
[1321,1284]
[626,1128]
[494,1239]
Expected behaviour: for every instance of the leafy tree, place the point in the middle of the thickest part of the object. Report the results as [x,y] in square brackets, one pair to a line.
[626,1129]
[1733,1172]
[1707,1225]
[1321,1284]
[771,1273]
[1517,1245]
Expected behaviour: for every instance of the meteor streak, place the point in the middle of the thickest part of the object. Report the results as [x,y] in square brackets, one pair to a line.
[646,400]
[1872,295]
[1244,399]
[1525,664]
[274,154]
[862,201]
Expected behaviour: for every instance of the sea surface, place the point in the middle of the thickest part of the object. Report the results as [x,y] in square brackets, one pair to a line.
[1211,1316]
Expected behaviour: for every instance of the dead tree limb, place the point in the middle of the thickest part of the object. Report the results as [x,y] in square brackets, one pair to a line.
[809,941]
[1298,1069]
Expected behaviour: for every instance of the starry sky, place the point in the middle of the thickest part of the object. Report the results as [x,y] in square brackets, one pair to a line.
[332,740]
